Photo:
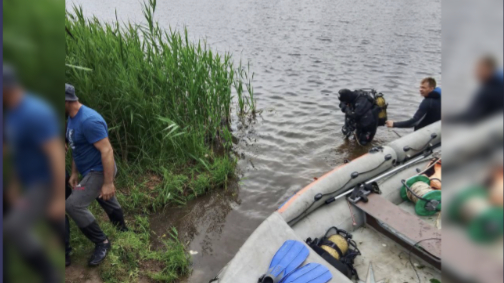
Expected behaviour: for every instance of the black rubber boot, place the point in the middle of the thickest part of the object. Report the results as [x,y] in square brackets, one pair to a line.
[117,219]
[99,254]
[116,216]
[68,261]
[94,233]
[68,248]
[41,264]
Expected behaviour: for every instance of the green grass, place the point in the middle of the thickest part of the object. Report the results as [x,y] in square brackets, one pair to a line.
[168,103]
[132,256]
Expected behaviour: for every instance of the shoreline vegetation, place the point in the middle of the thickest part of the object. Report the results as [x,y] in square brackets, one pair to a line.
[168,103]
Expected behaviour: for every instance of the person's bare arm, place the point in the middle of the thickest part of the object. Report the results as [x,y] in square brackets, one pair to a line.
[53,149]
[74,176]
[107,156]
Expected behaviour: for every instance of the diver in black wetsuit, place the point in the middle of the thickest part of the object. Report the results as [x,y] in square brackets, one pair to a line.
[361,113]
[429,110]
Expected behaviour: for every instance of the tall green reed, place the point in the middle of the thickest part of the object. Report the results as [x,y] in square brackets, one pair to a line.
[164,97]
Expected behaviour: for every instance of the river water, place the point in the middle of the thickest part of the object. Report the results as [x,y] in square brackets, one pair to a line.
[302,52]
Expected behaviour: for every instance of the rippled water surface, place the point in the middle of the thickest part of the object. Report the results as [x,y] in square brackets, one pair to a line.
[302,52]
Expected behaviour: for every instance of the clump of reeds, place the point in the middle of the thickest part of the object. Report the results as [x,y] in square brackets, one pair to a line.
[164,97]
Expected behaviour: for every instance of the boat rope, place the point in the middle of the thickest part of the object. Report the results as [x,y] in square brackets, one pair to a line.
[416,246]
[474,207]
[397,134]
[418,190]
[351,214]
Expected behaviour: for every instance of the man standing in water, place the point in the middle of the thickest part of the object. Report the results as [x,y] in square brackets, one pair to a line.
[359,109]
[93,158]
[429,110]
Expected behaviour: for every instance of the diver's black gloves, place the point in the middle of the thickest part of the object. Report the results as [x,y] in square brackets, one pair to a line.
[343,107]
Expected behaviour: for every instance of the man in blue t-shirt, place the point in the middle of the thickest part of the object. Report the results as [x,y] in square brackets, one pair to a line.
[35,190]
[93,158]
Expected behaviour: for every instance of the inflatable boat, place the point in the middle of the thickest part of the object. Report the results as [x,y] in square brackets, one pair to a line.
[371,205]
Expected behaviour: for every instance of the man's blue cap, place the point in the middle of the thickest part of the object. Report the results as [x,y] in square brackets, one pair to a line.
[70,93]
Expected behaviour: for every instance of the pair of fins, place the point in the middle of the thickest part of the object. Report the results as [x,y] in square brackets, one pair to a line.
[285,266]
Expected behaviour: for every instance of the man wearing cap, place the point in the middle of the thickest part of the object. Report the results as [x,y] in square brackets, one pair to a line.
[35,189]
[93,158]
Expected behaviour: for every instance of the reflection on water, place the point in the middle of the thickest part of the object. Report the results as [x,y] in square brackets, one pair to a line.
[302,53]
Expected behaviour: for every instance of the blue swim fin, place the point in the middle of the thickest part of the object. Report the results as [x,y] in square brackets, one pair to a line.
[289,257]
[310,273]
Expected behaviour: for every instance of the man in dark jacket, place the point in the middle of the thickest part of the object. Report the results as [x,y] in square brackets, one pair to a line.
[429,110]
[360,111]
[489,98]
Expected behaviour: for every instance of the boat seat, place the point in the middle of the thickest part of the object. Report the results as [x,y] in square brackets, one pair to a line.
[254,257]
[406,226]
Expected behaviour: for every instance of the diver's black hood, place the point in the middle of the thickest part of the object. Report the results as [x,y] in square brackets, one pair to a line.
[346,95]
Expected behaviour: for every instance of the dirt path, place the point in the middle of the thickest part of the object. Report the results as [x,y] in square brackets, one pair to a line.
[79,272]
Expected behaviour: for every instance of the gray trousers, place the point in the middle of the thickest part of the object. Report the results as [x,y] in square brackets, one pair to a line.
[19,231]
[83,195]
[25,214]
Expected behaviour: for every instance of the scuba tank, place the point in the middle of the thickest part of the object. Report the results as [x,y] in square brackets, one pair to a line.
[376,99]
[338,249]
[380,102]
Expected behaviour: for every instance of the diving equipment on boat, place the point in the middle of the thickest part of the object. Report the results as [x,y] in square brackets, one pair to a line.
[337,249]
[361,192]
[289,257]
[417,189]
[310,273]
[473,208]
